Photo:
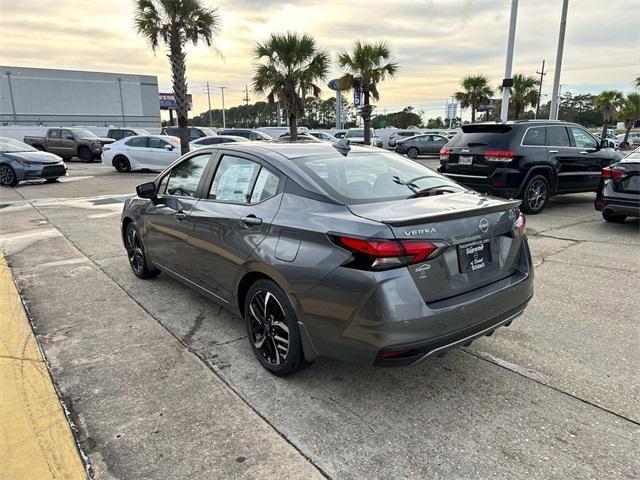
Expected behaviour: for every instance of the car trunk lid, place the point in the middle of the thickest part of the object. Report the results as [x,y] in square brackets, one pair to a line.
[477,230]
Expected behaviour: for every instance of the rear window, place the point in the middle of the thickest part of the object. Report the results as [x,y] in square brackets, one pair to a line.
[372,177]
[480,135]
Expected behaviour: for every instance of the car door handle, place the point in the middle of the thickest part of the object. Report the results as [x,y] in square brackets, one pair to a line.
[180,215]
[584,152]
[553,151]
[251,220]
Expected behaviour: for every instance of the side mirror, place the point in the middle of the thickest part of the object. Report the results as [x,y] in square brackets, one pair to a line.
[146,190]
[168,147]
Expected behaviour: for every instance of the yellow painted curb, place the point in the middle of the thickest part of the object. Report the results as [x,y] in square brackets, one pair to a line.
[35,438]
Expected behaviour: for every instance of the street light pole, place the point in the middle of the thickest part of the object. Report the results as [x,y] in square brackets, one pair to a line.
[542,74]
[224,120]
[209,100]
[507,83]
[553,111]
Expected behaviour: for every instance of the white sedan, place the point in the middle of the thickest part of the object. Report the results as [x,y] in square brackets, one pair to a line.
[153,152]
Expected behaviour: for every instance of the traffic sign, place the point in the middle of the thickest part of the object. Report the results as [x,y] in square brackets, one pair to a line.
[357,97]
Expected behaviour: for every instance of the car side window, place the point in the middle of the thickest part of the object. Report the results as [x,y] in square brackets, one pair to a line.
[185,177]
[266,186]
[582,139]
[129,133]
[66,135]
[438,139]
[233,180]
[140,142]
[54,133]
[558,137]
[157,142]
[535,136]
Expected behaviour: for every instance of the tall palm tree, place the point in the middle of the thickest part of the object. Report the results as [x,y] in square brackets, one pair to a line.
[294,65]
[608,102]
[368,65]
[637,82]
[476,91]
[630,113]
[524,93]
[177,22]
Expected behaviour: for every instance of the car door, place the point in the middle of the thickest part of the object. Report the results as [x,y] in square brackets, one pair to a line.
[167,226]
[232,219]
[589,159]
[438,141]
[563,156]
[67,144]
[160,153]
[136,150]
[53,142]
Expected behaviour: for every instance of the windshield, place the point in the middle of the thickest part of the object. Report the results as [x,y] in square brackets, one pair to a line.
[9,145]
[207,131]
[359,132]
[83,133]
[374,177]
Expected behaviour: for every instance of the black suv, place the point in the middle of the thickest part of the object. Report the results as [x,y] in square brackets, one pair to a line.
[527,159]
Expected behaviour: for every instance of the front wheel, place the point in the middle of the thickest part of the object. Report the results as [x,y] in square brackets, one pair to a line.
[8,177]
[136,254]
[272,328]
[121,164]
[51,180]
[535,195]
[85,155]
[412,153]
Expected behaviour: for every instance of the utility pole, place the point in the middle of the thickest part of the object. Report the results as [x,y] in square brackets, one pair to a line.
[553,111]
[507,83]
[208,90]
[246,95]
[224,120]
[542,74]
[124,121]
[13,103]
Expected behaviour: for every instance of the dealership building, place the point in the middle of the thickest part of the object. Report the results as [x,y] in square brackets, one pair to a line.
[40,96]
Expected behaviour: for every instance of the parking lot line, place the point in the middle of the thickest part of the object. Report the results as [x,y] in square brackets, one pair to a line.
[35,438]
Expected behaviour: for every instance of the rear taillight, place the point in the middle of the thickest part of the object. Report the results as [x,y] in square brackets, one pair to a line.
[444,153]
[499,155]
[520,226]
[612,173]
[374,254]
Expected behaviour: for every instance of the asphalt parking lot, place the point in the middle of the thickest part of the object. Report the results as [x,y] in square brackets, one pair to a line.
[161,383]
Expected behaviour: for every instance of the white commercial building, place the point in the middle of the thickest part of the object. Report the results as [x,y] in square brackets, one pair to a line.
[40,96]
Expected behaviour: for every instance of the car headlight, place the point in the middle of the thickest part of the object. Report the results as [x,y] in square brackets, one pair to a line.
[24,163]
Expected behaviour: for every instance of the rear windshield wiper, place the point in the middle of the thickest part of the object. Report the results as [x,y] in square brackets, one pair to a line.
[476,144]
[444,186]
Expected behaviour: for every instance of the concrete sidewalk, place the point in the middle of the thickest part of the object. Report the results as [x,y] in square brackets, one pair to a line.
[35,439]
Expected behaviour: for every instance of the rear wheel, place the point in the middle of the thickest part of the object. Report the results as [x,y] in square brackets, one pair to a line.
[272,328]
[85,155]
[8,177]
[613,218]
[51,180]
[136,254]
[412,152]
[535,195]
[121,164]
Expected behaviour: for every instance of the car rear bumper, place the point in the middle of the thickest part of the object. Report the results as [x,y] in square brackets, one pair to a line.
[355,319]
[618,206]
[499,184]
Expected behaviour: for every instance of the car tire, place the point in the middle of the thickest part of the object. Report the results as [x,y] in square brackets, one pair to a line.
[613,218]
[51,180]
[266,303]
[136,253]
[412,153]
[85,155]
[121,164]
[8,177]
[535,194]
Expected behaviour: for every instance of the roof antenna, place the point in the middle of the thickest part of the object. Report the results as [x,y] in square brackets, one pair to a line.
[342,146]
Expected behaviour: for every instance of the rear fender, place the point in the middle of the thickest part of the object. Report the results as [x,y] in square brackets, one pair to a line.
[545,170]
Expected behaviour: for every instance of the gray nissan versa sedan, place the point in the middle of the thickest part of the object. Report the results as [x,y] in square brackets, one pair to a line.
[352,253]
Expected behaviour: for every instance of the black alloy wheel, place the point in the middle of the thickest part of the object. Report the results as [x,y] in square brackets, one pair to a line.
[85,155]
[121,164]
[412,153]
[536,195]
[135,254]
[8,177]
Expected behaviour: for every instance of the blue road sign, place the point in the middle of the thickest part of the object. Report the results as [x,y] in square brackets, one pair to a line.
[357,97]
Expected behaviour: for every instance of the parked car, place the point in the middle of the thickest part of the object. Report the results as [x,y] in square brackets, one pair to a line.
[69,142]
[356,136]
[402,134]
[421,145]
[634,138]
[153,152]
[275,132]
[527,159]
[19,161]
[359,255]
[253,135]
[205,141]
[194,132]
[324,136]
[302,137]
[618,195]
[339,134]
[120,133]
[611,141]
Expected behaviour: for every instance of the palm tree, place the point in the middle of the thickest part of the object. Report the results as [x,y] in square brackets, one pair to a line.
[294,65]
[630,113]
[476,91]
[367,65]
[524,93]
[637,82]
[177,22]
[608,102]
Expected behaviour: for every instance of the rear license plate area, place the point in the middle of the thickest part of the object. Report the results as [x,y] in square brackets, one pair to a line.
[474,256]
[465,160]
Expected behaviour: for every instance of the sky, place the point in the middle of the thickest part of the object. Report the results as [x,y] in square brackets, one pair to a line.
[434,42]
